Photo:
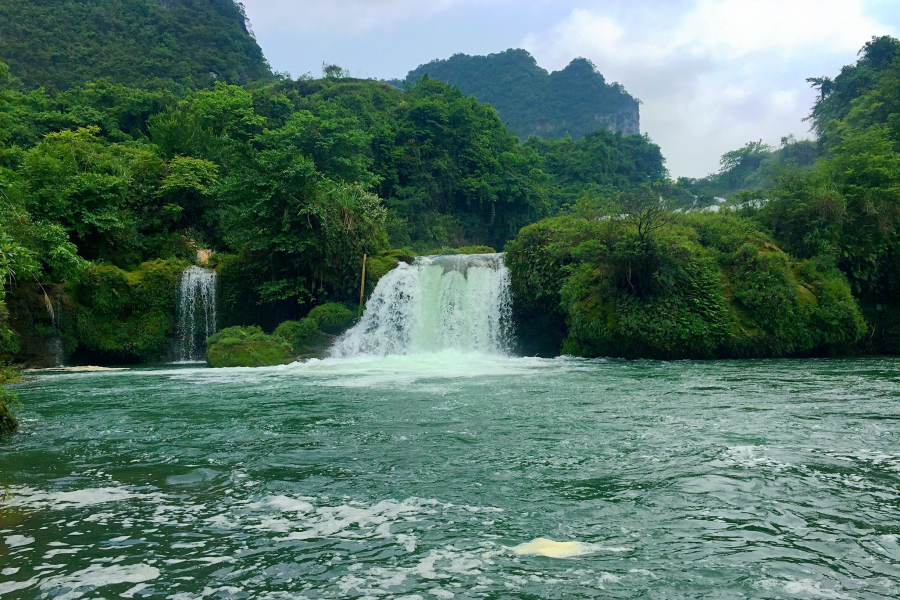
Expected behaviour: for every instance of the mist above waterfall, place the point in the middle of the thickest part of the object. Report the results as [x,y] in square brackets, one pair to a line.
[437,303]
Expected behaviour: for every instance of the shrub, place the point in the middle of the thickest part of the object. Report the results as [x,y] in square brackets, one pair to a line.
[246,347]
[332,317]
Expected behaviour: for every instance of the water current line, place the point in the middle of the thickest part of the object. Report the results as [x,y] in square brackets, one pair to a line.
[459,302]
[196,312]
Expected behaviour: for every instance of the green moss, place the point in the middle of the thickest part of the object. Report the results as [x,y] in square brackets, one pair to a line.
[475,250]
[332,317]
[246,347]
[301,335]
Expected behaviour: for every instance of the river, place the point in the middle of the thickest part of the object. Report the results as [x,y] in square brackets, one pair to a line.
[427,476]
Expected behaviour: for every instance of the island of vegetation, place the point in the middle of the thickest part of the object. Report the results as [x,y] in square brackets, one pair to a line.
[110,184]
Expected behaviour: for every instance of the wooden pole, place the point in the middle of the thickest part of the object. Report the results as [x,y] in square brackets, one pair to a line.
[362,287]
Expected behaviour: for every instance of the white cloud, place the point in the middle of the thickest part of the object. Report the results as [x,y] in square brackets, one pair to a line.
[720,74]
[345,15]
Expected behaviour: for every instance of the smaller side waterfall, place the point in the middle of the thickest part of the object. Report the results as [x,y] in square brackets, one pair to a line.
[196,312]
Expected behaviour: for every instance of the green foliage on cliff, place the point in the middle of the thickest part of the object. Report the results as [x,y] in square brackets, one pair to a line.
[123,316]
[160,44]
[838,96]
[573,101]
[594,167]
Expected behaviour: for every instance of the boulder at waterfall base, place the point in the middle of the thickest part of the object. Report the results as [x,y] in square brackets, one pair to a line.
[247,347]
[304,337]
[332,317]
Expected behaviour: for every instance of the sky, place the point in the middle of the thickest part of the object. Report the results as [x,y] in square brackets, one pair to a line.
[712,75]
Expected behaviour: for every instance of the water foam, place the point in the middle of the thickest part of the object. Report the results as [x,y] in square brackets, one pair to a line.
[437,303]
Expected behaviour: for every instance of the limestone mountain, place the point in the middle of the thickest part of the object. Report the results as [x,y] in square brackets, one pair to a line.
[533,101]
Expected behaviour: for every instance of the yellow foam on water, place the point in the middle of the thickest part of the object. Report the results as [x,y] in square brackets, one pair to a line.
[551,549]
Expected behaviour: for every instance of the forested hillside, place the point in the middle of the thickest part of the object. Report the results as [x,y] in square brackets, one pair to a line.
[157,44]
[573,101]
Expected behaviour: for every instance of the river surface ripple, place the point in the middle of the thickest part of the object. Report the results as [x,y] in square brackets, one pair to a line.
[414,477]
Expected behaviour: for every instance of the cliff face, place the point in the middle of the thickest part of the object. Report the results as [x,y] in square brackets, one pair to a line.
[169,44]
[575,100]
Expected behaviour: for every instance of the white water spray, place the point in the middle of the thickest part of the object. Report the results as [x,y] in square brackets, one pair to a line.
[196,312]
[459,302]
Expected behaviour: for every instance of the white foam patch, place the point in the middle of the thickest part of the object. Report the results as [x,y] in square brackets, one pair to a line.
[7,587]
[30,498]
[356,520]
[812,588]
[81,582]
[748,457]
[14,541]
[437,565]
[287,504]
[804,588]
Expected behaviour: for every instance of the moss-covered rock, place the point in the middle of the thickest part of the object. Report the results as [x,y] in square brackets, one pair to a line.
[332,317]
[246,347]
[304,337]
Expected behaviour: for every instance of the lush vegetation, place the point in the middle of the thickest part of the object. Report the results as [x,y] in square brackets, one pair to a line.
[574,101]
[702,285]
[802,260]
[109,190]
[160,44]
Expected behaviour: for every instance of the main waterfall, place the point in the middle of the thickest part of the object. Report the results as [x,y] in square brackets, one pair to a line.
[196,312]
[437,303]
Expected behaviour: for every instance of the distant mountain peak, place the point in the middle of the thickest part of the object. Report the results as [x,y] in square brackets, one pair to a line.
[575,100]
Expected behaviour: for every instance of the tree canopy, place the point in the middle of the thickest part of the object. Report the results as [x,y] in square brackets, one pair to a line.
[156,44]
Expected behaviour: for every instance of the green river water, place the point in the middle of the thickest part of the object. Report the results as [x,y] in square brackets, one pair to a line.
[421,477]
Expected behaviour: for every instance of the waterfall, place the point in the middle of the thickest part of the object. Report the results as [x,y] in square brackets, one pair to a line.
[196,312]
[55,345]
[437,303]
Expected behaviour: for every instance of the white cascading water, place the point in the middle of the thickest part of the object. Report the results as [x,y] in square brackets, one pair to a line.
[459,302]
[196,312]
